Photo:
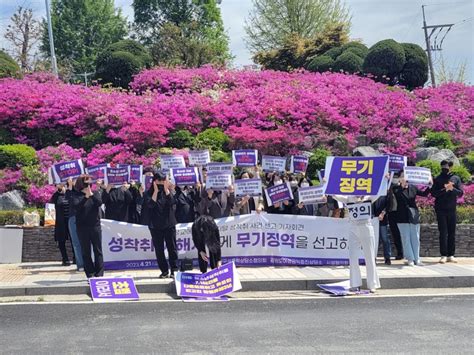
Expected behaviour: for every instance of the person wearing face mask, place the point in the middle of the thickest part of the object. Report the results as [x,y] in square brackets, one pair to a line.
[447,188]
[206,235]
[285,207]
[117,201]
[160,202]
[185,204]
[247,204]
[61,230]
[71,192]
[302,208]
[87,205]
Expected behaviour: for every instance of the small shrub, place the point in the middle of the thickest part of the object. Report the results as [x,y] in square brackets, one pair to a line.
[385,60]
[317,161]
[321,64]
[441,140]
[8,66]
[468,162]
[14,155]
[220,156]
[348,62]
[213,139]
[462,172]
[16,217]
[181,139]
[333,52]
[432,165]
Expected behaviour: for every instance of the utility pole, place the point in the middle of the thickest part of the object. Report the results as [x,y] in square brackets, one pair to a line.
[437,45]
[54,64]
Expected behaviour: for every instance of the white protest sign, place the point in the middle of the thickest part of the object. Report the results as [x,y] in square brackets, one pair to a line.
[360,211]
[218,181]
[273,163]
[417,175]
[169,162]
[311,194]
[199,157]
[248,187]
[226,168]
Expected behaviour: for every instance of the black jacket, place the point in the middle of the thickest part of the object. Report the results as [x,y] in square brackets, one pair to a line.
[446,200]
[117,203]
[406,199]
[380,205]
[160,214]
[205,227]
[87,209]
[185,202]
[61,204]
[218,206]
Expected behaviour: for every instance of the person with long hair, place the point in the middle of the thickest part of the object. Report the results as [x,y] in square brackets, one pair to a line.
[87,205]
[206,235]
[61,230]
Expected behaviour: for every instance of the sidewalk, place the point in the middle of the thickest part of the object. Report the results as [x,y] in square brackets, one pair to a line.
[53,279]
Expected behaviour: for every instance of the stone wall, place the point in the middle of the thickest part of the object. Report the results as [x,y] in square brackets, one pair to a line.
[39,244]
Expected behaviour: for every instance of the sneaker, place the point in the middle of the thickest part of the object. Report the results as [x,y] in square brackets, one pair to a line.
[163,275]
[411,263]
[372,290]
[419,263]
[442,260]
[451,259]
[388,261]
[80,269]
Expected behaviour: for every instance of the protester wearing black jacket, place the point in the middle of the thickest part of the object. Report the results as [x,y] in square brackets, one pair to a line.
[446,190]
[185,204]
[206,234]
[117,202]
[61,230]
[160,203]
[380,207]
[87,205]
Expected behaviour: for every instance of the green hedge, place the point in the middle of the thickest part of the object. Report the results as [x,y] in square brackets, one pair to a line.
[13,155]
[465,215]
[16,217]
[441,140]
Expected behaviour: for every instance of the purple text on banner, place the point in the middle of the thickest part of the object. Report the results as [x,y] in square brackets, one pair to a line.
[113,288]
[278,193]
[355,175]
[215,283]
[396,163]
[97,171]
[117,176]
[68,169]
[299,164]
[245,157]
[185,176]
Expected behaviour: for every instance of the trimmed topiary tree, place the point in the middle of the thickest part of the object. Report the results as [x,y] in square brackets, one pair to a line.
[8,66]
[415,71]
[348,62]
[385,60]
[321,64]
[357,48]
[333,52]
[120,61]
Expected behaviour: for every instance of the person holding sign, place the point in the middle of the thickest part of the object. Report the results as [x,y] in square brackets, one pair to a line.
[87,205]
[408,219]
[61,231]
[247,204]
[446,190]
[160,202]
[117,201]
[206,235]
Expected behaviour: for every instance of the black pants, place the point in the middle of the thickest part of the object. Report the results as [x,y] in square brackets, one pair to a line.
[203,264]
[447,232]
[87,237]
[62,249]
[159,237]
[395,232]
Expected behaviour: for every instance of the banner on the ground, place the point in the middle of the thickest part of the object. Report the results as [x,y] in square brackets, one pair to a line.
[417,175]
[215,283]
[248,240]
[105,289]
[199,157]
[218,181]
[168,162]
[60,172]
[356,176]
[248,187]
[274,163]
[311,194]
[116,176]
[360,211]
[245,157]
[298,164]
[396,163]
[135,171]
[278,193]
[97,172]
[185,176]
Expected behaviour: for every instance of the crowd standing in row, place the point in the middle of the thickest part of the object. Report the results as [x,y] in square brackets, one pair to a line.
[80,205]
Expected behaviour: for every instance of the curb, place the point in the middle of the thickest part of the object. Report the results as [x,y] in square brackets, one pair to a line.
[249,286]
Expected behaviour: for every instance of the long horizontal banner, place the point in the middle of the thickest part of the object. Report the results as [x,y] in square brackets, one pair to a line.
[248,240]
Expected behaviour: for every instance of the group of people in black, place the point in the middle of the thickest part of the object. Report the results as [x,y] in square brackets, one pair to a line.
[164,205]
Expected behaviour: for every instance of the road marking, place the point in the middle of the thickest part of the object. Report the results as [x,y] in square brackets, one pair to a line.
[274,298]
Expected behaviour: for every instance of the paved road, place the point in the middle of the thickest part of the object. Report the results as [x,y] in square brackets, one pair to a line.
[431,324]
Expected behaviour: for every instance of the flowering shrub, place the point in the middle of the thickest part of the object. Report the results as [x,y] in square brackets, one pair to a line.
[40,195]
[8,179]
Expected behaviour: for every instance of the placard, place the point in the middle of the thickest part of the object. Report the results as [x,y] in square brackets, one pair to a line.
[97,172]
[168,162]
[245,157]
[248,187]
[273,163]
[116,176]
[147,181]
[226,168]
[185,176]
[135,171]
[298,164]
[60,172]
[396,163]
[359,176]
[199,157]
[311,194]
[278,193]
[417,175]
[218,181]
[106,289]
[360,211]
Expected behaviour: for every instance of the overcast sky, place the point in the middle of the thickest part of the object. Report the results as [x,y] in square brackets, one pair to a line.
[372,21]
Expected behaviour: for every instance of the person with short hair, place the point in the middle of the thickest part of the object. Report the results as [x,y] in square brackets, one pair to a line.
[447,188]
[61,230]
[160,202]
